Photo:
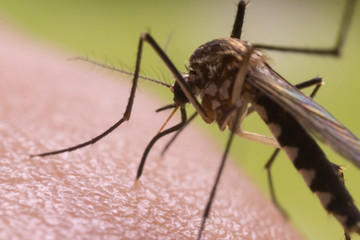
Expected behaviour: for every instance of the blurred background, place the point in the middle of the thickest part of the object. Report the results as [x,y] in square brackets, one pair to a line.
[109,31]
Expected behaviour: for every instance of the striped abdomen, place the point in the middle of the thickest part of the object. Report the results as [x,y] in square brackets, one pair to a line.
[319,173]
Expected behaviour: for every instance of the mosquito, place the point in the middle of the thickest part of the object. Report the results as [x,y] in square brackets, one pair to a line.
[232,79]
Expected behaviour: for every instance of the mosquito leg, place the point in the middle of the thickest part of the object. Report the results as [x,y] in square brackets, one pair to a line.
[157,137]
[224,157]
[333,51]
[177,134]
[269,141]
[338,169]
[173,105]
[178,77]
[126,115]
[271,184]
[318,81]
[179,131]
[239,20]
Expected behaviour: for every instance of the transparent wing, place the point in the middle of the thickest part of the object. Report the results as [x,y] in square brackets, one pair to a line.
[314,118]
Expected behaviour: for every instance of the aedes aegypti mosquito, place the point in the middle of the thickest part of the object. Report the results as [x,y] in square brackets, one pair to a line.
[233,79]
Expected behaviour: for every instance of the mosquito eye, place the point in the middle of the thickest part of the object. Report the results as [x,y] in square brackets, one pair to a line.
[192,72]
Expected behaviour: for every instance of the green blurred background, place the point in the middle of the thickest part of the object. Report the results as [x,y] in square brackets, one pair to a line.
[109,31]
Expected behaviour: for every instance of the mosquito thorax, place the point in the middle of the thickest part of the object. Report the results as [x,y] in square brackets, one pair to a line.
[213,69]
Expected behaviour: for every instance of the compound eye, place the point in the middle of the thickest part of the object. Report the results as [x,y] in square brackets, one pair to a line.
[192,74]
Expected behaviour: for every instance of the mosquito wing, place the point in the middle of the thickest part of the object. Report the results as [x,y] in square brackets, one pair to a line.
[314,118]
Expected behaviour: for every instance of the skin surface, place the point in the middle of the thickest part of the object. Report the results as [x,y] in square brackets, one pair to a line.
[47,103]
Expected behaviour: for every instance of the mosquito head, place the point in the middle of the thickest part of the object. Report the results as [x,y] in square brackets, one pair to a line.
[179,96]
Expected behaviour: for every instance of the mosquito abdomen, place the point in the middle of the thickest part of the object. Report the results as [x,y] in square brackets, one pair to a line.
[321,176]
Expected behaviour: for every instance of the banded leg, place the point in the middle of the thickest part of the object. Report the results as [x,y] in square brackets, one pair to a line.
[315,81]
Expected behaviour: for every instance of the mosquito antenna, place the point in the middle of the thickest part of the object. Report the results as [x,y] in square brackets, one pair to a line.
[103,65]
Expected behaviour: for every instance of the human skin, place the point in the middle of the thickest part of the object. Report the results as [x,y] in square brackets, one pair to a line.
[47,103]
